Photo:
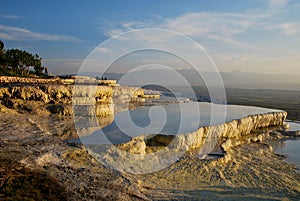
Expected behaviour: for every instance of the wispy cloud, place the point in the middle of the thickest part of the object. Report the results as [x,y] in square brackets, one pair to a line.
[208,25]
[215,26]
[13,17]
[289,28]
[238,34]
[21,34]
[278,4]
[225,27]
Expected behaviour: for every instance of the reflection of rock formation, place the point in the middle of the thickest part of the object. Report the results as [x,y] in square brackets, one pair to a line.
[277,144]
[105,120]
[86,126]
[90,118]
[98,110]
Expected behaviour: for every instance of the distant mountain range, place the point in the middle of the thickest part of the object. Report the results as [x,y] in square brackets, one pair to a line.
[261,81]
[231,79]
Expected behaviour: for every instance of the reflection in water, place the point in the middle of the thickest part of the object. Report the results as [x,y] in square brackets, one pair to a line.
[172,119]
[89,119]
[105,120]
[145,154]
[290,148]
[293,126]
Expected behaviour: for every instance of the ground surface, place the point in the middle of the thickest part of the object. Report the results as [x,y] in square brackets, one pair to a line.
[37,164]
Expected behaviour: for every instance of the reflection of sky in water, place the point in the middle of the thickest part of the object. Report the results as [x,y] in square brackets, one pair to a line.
[290,148]
[168,119]
[294,126]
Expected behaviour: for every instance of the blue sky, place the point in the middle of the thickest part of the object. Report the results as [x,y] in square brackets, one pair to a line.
[260,36]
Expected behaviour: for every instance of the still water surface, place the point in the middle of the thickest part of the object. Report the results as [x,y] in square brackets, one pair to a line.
[180,118]
[169,119]
[289,147]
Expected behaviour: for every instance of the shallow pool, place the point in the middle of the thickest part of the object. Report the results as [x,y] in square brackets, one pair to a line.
[169,119]
[289,147]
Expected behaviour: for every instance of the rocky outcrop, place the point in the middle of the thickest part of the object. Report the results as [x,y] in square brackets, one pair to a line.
[53,93]
[123,93]
[62,99]
[65,93]
[226,134]
[26,80]
[8,80]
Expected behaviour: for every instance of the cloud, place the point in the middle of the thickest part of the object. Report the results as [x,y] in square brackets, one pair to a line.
[102,49]
[216,26]
[278,4]
[223,27]
[289,28]
[240,33]
[21,34]
[206,25]
[13,17]
[113,32]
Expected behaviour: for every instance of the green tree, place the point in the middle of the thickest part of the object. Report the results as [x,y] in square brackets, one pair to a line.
[17,62]
[20,61]
[2,53]
[37,63]
[12,58]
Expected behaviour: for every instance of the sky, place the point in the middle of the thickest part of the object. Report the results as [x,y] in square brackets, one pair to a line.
[258,36]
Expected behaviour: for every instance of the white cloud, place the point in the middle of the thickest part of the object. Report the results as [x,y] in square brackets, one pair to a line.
[278,4]
[113,32]
[224,27]
[290,28]
[240,33]
[206,25]
[21,34]
[13,17]
[216,26]
[102,49]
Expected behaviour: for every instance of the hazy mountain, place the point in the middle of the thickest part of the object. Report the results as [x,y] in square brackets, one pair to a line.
[181,77]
